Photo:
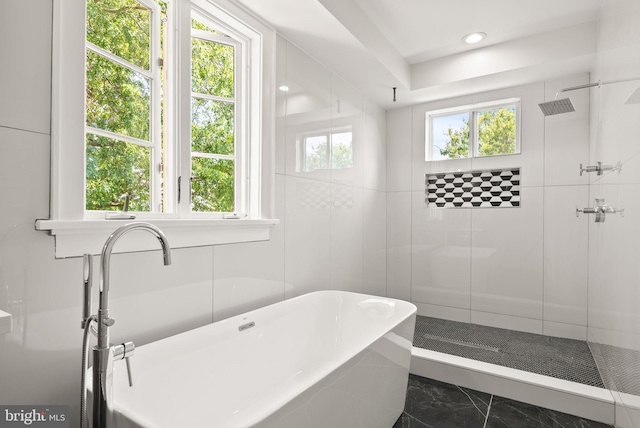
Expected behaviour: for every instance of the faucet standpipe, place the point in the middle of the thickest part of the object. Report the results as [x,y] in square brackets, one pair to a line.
[104,354]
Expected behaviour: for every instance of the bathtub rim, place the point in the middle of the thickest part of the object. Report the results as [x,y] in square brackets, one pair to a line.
[408,309]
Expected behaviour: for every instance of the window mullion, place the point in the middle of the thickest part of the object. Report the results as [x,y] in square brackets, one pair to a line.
[183,110]
[156,111]
[119,137]
[213,97]
[241,146]
[119,60]
[213,156]
[473,134]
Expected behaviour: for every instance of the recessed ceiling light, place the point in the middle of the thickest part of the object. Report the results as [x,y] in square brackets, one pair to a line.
[474,38]
[284,88]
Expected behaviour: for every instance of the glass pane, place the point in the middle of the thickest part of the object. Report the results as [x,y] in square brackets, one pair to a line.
[198,25]
[497,131]
[114,169]
[450,136]
[118,99]
[212,126]
[316,153]
[341,150]
[212,68]
[212,187]
[123,27]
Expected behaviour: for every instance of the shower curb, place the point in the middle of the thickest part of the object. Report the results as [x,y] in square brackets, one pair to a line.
[564,396]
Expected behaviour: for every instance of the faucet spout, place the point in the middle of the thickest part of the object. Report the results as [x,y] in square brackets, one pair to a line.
[105,266]
[103,352]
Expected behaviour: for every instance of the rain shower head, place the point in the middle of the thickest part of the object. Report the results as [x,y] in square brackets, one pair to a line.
[563,105]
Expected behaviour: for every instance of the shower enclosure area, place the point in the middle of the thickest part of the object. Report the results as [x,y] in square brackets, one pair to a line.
[614,248]
[560,267]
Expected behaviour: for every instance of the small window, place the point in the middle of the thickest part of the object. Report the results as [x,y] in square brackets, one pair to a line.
[327,150]
[479,130]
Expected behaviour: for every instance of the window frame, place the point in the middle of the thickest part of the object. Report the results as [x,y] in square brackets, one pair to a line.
[473,110]
[329,135]
[74,232]
[155,133]
[242,185]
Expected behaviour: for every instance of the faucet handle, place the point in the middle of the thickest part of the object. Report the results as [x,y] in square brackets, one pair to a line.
[129,349]
[126,360]
[125,350]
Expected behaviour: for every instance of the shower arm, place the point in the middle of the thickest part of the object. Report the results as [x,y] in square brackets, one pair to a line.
[599,83]
[575,88]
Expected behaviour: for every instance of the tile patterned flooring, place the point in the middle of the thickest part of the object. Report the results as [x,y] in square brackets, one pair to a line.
[556,357]
[433,404]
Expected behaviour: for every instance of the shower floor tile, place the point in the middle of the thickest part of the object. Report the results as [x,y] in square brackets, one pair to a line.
[550,356]
[433,404]
[619,367]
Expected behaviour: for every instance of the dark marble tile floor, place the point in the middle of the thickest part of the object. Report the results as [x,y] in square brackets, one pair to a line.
[433,404]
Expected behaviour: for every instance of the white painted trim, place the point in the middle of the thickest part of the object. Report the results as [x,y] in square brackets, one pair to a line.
[67,110]
[75,238]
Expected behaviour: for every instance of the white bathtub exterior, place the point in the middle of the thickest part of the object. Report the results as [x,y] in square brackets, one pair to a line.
[325,359]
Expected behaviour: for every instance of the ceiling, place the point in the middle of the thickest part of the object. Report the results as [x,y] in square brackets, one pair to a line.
[416,46]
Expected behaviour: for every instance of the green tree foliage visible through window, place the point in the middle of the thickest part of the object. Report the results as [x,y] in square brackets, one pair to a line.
[457,145]
[212,124]
[497,132]
[115,168]
[118,100]
[496,135]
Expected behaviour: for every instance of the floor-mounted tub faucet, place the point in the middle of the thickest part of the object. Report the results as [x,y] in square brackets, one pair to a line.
[104,353]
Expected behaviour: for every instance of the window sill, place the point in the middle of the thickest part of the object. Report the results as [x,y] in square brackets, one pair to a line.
[74,238]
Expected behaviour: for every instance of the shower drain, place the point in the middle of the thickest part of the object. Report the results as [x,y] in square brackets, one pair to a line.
[459,342]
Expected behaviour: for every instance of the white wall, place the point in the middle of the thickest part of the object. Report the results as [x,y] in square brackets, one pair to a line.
[331,233]
[614,246]
[335,218]
[614,250]
[520,268]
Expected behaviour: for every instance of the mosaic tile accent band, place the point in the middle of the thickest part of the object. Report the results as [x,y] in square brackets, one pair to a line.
[469,189]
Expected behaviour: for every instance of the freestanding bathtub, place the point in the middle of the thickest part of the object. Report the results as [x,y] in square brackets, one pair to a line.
[325,359]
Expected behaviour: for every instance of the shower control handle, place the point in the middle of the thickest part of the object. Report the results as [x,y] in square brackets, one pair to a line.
[588,169]
[601,209]
[599,168]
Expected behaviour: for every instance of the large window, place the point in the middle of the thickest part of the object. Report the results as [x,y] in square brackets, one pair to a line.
[133,143]
[165,106]
[487,129]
